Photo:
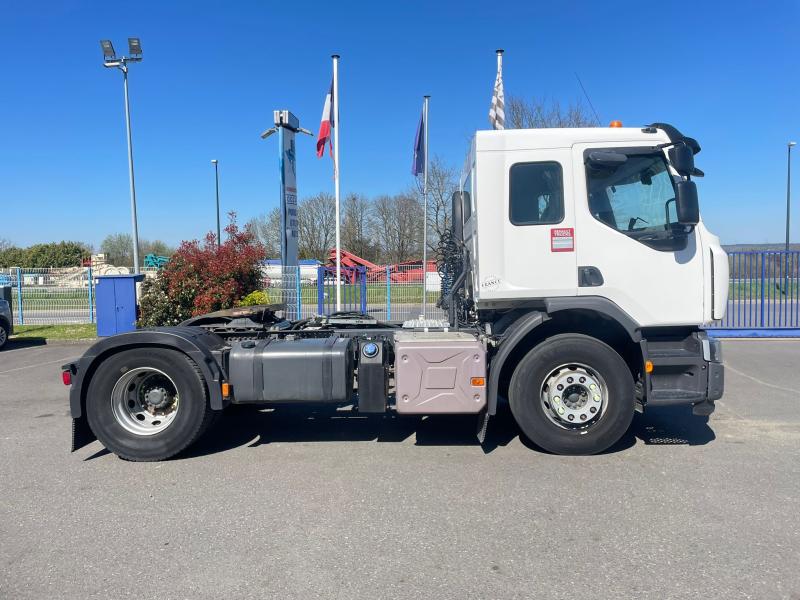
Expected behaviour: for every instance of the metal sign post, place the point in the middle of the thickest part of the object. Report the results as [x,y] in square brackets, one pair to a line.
[287,125]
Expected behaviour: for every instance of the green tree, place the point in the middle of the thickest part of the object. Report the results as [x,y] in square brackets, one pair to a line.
[44,256]
[12,256]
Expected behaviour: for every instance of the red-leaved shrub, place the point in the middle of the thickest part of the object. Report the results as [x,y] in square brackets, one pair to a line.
[201,277]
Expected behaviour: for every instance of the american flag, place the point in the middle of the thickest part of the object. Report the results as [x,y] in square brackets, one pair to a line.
[497,113]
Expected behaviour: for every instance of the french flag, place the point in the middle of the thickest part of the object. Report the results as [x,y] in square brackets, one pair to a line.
[326,125]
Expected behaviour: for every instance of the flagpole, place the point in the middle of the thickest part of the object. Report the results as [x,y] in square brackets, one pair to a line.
[499,60]
[335,109]
[425,214]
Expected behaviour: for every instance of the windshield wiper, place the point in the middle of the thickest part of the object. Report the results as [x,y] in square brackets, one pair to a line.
[634,220]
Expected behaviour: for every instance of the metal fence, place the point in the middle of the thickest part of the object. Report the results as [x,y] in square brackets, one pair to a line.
[52,296]
[763,296]
[392,293]
[763,293]
[48,296]
[67,296]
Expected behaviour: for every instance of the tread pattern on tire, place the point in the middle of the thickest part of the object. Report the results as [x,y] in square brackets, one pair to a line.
[526,407]
[93,405]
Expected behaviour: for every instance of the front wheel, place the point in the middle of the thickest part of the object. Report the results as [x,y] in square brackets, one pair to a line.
[148,404]
[572,394]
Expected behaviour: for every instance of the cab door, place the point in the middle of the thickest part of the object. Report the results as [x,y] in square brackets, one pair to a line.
[630,248]
[526,225]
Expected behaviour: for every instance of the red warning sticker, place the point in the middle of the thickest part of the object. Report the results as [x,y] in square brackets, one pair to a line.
[562,239]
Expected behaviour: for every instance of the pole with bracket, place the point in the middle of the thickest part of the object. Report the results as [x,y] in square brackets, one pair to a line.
[287,125]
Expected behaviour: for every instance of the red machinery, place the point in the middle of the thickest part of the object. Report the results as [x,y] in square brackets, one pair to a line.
[404,272]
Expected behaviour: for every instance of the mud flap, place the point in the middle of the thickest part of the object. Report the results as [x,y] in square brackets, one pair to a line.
[82,434]
[483,425]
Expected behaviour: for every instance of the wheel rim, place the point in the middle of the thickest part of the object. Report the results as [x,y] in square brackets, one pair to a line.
[574,396]
[145,401]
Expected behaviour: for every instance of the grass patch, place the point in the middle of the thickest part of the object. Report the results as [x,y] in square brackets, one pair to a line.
[83,331]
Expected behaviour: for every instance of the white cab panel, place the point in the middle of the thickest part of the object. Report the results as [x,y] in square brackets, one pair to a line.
[516,261]
[655,287]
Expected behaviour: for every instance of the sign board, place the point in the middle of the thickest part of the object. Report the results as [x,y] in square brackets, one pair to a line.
[562,239]
[289,226]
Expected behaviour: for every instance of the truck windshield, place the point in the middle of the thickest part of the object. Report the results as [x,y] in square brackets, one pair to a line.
[636,198]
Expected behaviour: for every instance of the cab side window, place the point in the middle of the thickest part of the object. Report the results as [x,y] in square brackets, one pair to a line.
[536,193]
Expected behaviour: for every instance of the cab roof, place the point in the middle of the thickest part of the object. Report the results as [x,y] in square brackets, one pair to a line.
[565,137]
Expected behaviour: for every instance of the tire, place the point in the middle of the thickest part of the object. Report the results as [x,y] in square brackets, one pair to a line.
[535,401]
[3,335]
[126,379]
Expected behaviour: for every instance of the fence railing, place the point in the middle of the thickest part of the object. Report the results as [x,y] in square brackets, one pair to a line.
[387,293]
[763,294]
[764,291]
[48,296]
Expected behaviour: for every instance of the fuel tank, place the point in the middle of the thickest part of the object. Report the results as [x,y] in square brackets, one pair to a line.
[302,370]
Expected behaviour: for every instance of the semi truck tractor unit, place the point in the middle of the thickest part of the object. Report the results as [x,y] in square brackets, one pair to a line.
[577,279]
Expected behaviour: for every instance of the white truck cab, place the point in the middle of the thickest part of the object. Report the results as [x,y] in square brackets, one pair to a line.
[542,220]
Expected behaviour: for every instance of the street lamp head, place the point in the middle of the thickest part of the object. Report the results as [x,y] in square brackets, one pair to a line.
[792,144]
[108,50]
[213,161]
[135,48]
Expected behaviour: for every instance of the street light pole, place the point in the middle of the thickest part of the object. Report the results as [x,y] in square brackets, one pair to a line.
[215,162]
[788,187]
[788,209]
[110,60]
[134,219]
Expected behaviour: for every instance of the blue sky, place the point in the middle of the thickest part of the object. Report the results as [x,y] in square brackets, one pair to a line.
[725,73]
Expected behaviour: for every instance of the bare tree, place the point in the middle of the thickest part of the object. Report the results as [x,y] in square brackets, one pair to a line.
[356,231]
[442,182]
[398,224]
[538,113]
[316,216]
[267,229]
[5,244]
[119,248]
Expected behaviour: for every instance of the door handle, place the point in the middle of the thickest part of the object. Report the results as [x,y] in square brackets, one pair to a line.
[589,277]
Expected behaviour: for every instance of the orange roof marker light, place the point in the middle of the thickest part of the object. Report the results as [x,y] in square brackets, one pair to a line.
[615,124]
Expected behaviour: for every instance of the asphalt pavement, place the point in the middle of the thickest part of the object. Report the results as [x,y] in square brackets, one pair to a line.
[296,504]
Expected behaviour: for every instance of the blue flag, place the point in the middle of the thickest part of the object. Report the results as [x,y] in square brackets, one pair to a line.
[418,165]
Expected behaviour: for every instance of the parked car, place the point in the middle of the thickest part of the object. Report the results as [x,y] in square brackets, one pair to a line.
[6,323]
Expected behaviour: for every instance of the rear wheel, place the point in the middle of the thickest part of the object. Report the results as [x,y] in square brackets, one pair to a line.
[572,394]
[3,335]
[148,404]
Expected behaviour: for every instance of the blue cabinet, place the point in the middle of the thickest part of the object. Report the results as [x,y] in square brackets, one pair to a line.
[116,303]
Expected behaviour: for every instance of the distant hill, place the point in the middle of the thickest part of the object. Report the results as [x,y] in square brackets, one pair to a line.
[757,247]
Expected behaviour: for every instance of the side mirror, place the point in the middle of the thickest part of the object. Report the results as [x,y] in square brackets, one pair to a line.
[457,216]
[605,158]
[682,159]
[686,205]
